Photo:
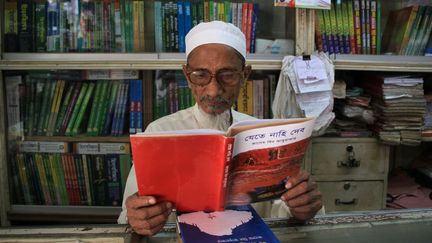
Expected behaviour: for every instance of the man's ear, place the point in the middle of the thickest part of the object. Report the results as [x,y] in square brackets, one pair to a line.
[246,72]
[184,69]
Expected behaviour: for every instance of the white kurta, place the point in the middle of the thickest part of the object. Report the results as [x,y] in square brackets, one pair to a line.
[193,118]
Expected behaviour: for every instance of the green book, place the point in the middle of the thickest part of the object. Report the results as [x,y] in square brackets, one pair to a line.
[378,26]
[47,115]
[39,94]
[111,108]
[83,109]
[44,107]
[100,108]
[414,30]
[93,112]
[60,170]
[40,27]
[76,109]
[63,108]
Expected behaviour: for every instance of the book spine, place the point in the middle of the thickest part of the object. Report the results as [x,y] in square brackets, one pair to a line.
[86,174]
[52,93]
[111,108]
[64,106]
[349,6]
[378,26]
[367,27]
[11,27]
[132,107]
[414,30]
[334,29]
[373,27]
[70,108]
[229,143]
[42,179]
[40,27]
[113,180]
[100,108]
[139,106]
[120,128]
[346,27]
[25,25]
[187,16]
[407,32]
[53,106]
[357,26]
[363,26]
[158,26]
[20,159]
[181,26]
[76,109]
[340,27]
[83,109]
[49,177]
[93,112]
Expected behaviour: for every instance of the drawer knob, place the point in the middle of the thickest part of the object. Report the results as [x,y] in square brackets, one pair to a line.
[350,202]
[351,160]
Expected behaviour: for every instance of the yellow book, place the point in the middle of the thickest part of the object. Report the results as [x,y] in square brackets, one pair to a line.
[245,99]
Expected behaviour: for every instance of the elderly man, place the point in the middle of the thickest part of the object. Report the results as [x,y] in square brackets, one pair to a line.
[215,71]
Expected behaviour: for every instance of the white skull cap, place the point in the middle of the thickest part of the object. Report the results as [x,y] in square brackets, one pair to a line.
[216,32]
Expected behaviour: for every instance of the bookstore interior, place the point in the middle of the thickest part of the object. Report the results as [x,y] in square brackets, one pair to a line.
[79,77]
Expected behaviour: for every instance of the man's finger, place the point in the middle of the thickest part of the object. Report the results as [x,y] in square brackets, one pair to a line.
[146,213]
[295,180]
[136,201]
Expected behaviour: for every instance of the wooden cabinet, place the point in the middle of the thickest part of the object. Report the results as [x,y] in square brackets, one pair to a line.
[351,172]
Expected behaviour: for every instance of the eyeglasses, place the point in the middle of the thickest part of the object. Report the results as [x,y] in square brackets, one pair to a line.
[203,77]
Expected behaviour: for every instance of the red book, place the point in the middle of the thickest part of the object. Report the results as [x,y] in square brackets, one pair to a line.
[206,170]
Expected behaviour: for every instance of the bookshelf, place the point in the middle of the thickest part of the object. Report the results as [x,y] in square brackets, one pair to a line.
[294,23]
[145,61]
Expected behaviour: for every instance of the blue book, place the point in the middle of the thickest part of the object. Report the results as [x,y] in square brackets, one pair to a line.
[187,16]
[181,27]
[139,104]
[132,107]
[235,224]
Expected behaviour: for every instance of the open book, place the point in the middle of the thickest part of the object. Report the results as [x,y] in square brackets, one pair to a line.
[206,170]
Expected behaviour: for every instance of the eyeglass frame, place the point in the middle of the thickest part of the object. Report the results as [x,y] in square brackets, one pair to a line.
[212,75]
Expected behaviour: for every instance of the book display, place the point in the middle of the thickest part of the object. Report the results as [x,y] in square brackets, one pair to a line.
[87,77]
[78,77]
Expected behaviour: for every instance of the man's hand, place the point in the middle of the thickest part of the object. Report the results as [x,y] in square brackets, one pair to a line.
[145,215]
[302,196]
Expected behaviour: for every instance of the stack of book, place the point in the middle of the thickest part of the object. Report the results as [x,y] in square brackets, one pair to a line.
[399,106]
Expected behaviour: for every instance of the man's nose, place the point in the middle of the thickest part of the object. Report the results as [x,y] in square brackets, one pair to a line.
[214,88]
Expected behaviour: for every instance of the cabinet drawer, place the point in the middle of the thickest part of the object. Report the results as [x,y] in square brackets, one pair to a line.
[352,195]
[332,156]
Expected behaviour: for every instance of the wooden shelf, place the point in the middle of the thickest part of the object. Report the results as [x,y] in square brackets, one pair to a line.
[124,139]
[173,61]
[64,214]
[383,63]
[141,61]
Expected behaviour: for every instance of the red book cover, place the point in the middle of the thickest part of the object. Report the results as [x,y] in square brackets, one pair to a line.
[195,169]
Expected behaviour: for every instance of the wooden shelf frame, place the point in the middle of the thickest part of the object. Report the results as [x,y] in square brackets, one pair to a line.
[174,61]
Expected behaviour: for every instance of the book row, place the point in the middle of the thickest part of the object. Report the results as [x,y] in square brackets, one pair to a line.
[116,25]
[39,105]
[349,27]
[69,179]
[354,27]
[408,30]
[174,19]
